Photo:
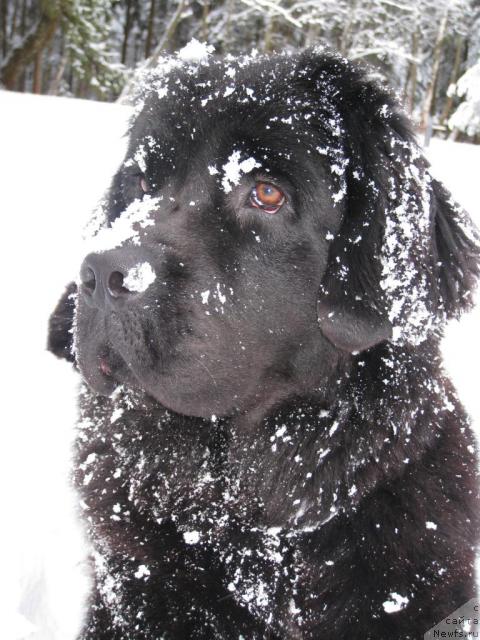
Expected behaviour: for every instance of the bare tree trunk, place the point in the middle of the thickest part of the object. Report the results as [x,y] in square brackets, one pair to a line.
[32,44]
[412,74]
[13,21]
[427,105]
[228,24]
[3,28]
[137,49]
[57,78]
[205,12]
[311,36]
[268,45]
[345,39]
[126,30]
[23,18]
[163,44]
[37,73]
[453,79]
[23,28]
[151,18]
[169,33]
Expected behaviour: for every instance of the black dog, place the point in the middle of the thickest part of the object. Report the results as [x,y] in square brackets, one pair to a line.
[268,446]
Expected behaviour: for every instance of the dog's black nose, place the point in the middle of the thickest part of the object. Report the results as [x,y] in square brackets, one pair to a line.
[102,279]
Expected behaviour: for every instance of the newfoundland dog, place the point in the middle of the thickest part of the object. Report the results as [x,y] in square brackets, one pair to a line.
[268,446]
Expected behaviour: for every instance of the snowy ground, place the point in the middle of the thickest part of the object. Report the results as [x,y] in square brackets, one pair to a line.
[56,157]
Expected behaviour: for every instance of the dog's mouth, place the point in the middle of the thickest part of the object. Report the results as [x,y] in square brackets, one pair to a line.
[106,370]
[112,366]
[110,363]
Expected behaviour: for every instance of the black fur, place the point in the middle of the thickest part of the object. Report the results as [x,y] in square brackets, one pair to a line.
[284,457]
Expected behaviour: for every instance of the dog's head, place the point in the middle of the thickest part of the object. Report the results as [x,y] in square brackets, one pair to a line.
[272,217]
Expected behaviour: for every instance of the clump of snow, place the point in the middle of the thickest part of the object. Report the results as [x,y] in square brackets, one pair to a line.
[126,227]
[195,51]
[233,169]
[222,298]
[116,414]
[139,277]
[431,525]
[395,603]
[191,537]
[155,79]
[142,572]
[141,153]
[333,428]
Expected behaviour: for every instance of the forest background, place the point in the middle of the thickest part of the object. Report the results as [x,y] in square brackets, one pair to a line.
[428,51]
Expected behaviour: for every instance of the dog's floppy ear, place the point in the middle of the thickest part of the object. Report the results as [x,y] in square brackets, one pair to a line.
[60,328]
[406,257]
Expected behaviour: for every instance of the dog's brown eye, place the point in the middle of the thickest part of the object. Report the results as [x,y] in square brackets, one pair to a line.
[267,197]
[144,184]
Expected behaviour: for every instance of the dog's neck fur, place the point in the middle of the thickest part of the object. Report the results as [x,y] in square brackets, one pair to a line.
[245,465]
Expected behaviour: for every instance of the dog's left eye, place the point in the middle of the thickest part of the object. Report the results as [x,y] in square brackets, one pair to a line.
[145,187]
[267,197]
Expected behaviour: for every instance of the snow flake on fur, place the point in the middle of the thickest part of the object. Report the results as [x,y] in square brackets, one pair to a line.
[406,246]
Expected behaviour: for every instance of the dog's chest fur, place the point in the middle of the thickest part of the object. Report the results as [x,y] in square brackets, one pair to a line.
[248,507]
[139,477]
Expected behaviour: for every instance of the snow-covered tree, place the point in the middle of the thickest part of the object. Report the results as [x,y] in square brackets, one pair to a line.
[46,39]
[90,48]
[467,116]
[86,25]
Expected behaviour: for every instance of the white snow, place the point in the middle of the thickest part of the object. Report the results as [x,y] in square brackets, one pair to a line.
[395,603]
[142,572]
[191,537]
[233,169]
[126,227]
[195,51]
[406,243]
[139,277]
[116,414]
[57,156]
[467,116]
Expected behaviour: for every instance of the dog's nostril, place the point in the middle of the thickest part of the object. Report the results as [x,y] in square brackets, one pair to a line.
[115,285]
[89,280]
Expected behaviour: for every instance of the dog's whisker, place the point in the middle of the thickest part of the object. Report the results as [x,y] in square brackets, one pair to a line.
[207,370]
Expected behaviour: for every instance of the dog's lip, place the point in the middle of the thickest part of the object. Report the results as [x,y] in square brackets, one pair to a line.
[110,363]
[104,370]
[105,367]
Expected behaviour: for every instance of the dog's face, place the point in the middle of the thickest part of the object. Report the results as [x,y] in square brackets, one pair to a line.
[242,251]
[239,207]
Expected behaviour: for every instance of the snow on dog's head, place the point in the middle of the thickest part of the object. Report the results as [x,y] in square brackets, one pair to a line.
[292,190]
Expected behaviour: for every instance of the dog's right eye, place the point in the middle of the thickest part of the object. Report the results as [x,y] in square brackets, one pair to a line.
[267,196]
